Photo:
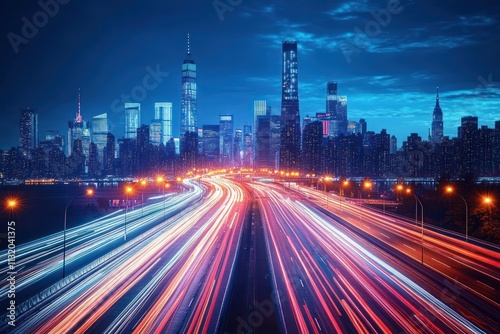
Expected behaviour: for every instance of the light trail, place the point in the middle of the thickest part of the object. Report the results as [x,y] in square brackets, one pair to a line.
[336,284]
[175,280]
[43,257]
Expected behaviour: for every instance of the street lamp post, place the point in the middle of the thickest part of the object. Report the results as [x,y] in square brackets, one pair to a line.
[167,186]
[451,190]
[326,179]
[343,185]
[128,190]
[422,211]
[143,184]
[366,185]
[89,192]
[160,180]
[418,201]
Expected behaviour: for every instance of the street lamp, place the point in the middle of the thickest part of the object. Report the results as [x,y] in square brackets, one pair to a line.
[343,185]
[367,185]
[325,180]
[488,200]
[143,184]
[450,190]
[167,186]
[89,192]
[160,180]
[11,205]
[399,188]
[417,200]
[128,190]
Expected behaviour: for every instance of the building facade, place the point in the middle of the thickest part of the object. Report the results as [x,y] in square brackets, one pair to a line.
[290,115]
[28,131]
[189,113]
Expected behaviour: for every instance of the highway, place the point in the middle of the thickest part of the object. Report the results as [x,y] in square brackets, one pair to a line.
[39,263]
[173,280]
[467,264]
[332,268]
[333,282]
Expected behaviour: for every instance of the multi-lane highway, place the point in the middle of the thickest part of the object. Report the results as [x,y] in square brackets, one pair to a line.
[345,269]
[39,263]
[467,264]
[173,280]
[332,282]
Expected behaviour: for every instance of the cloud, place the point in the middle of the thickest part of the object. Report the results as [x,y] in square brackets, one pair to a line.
[474,21]
[348,10]
[306,41]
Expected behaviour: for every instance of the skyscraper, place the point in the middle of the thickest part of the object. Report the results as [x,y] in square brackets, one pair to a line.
[163,113]
[342,115]
[226,125]
[28,131]
[259,109]
[336,110]
[248,155]
[155,132]
[267,142]
[437,122]
[211,150]
[132,119]
[237,147]
[100,131]
[312,147]
[78,130]
[290,116]
[189,115]
[109,154]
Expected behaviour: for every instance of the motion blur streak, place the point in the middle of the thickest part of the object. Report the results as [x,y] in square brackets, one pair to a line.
[174,281]
[333,283]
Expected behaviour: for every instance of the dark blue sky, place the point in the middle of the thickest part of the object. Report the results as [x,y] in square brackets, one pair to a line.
[388,68]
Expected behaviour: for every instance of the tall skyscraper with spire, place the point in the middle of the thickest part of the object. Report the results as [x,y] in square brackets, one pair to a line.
[290,116]
[78,130]
[437,122]
[189,115]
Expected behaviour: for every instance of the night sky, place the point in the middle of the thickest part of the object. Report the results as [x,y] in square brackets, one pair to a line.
[389,68]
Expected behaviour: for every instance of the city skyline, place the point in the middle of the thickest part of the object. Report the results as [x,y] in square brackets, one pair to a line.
[384,75]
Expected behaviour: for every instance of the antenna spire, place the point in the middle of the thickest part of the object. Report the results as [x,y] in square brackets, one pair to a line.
[79,115]
[437,97]
[189,45]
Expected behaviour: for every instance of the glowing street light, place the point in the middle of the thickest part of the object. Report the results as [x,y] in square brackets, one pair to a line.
[343,185]
[408,191]
[399,189]
[488,200]
[324,180]
[450,190]
[144,183]
[11,205]
[89,192]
